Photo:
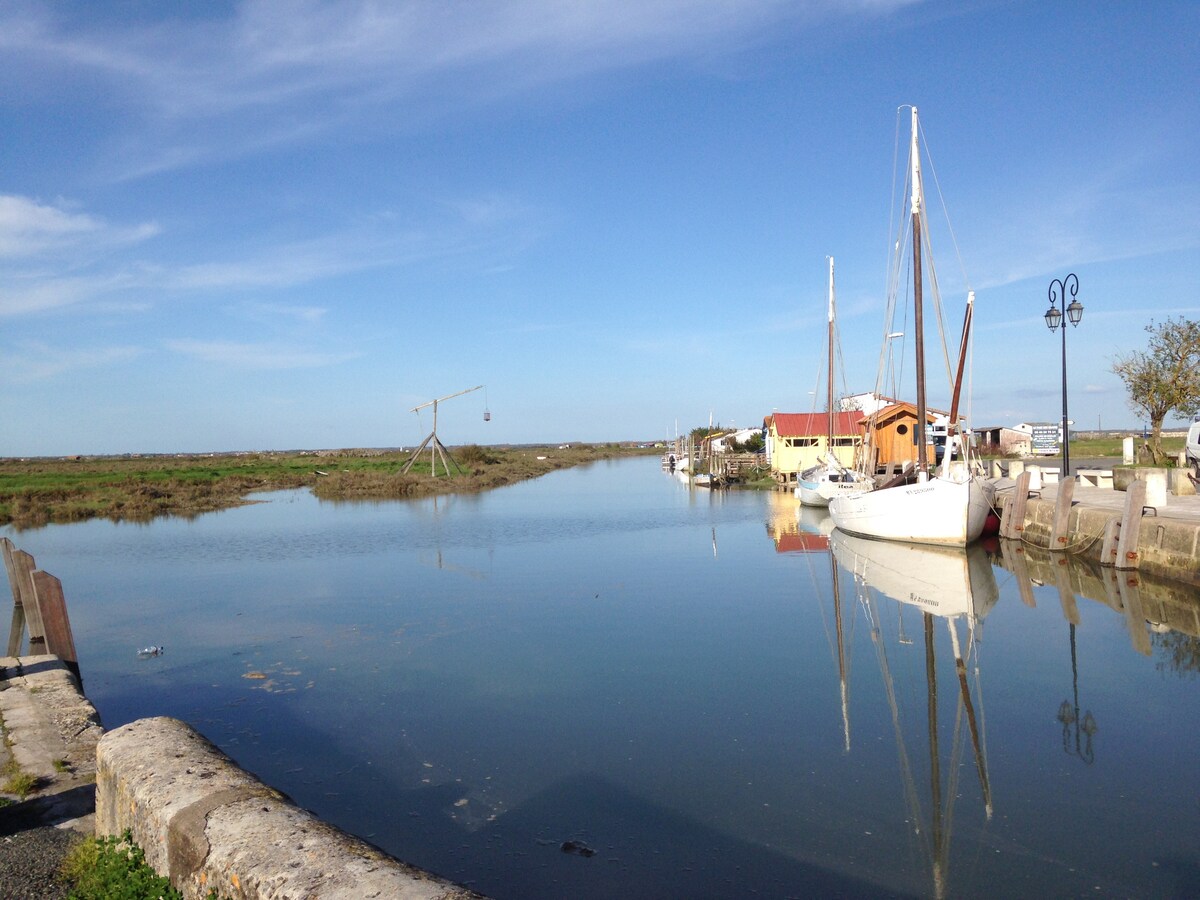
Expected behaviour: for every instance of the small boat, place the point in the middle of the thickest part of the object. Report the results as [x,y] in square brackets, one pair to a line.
[947,506]
[817,485]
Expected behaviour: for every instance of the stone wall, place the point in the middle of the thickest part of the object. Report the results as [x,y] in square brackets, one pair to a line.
[211,826]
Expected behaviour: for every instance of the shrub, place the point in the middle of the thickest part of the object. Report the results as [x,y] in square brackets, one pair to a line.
[114,868]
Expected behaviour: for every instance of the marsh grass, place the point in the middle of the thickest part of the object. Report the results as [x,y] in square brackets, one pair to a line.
[36,492]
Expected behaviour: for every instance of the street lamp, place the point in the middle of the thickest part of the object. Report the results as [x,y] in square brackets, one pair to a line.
[1058,292]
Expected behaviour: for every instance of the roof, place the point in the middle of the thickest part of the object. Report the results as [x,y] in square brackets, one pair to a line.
[807,424]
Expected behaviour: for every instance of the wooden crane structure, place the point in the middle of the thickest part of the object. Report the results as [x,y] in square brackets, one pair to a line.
[437,449]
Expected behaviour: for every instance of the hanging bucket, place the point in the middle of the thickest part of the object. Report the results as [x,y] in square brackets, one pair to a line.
[487,415]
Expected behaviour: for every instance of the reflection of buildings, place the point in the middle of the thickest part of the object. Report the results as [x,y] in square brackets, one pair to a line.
[953,587]
[795,528]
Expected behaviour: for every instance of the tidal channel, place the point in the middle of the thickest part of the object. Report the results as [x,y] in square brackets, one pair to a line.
[607,683]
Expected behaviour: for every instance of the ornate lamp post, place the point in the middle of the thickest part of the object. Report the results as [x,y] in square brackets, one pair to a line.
[1058,293]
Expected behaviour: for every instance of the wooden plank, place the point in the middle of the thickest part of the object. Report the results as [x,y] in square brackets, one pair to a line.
[52,609]
[1020,499]
[1112,537]
[1131,526]
[24,565]
[1059,530]
[16,631]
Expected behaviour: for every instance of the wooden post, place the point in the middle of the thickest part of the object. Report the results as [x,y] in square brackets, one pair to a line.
[1012,523]
[52,610]
[1131,526]
[1059,531]
[23,566]
[16,631]
[1112,537]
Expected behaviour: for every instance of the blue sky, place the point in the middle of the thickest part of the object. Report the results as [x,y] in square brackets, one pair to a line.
[269,225]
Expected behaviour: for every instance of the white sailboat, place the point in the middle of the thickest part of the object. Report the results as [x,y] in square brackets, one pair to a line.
[949,507]
[819,484]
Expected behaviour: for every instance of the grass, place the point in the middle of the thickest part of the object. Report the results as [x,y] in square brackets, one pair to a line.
[36,492]
[20,783]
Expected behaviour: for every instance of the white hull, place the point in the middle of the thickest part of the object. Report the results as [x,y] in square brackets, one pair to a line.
[938,511]
[944,581]
[818,488]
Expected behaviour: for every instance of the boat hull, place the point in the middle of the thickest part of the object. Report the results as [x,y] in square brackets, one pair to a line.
[939,511]
[817,487]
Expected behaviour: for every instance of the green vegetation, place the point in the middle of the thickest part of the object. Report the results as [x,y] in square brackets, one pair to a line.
[114,868]
[20,783]
[1164,378]
[36,492]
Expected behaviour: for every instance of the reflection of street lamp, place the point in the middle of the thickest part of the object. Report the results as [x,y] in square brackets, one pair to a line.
[1069,716]
[1053,318]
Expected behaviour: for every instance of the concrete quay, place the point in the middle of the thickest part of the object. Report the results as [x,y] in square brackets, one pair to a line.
[50,733]
[1168,543]
[201,820]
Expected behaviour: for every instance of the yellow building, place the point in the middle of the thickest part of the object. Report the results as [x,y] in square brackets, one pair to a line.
[798,441]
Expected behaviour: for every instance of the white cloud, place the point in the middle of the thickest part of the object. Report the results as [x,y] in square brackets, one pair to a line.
[239,355]
[29,228]
[281,71]
[37,361]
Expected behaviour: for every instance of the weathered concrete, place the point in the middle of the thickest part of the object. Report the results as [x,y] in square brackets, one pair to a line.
[210,825]
[52,732]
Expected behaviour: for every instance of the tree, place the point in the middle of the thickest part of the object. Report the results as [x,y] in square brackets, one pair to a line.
[1165,377]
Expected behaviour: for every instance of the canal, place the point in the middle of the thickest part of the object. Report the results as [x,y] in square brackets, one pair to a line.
[604,683]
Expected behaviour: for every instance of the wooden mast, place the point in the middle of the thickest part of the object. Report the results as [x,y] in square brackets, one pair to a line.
[829,397]
[952,425]
[918,312]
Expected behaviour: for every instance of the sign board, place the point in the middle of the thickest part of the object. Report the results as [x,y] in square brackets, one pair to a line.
[1045,440]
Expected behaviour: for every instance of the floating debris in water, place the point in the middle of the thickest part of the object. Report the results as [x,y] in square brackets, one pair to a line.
[579,848]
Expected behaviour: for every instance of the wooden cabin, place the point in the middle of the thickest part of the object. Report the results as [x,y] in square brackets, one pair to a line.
[797,441]
[895,434]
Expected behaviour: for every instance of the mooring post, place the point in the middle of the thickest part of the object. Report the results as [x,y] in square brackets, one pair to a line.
[1012,521]
[1131,526]
[56,626]
[17,630]
[23,566]
[1060,530]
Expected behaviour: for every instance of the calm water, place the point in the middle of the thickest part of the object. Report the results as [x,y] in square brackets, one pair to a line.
[685,682]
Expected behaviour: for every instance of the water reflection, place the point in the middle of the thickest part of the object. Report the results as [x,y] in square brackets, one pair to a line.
[958,588]
[471,682]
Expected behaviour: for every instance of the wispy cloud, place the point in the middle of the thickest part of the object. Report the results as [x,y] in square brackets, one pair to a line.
[232,354]
[32,361]
[29,228]
[344,61]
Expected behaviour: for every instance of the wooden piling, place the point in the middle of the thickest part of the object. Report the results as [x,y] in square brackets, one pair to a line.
[16,631]
[52,611]
[1012,521]
[1059,530]
[1131,526]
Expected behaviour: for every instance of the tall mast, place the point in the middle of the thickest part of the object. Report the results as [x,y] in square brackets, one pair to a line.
[918,312]
[829,400]
[952,425]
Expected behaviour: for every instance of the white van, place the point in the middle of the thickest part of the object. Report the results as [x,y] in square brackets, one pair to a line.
[1193,445]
